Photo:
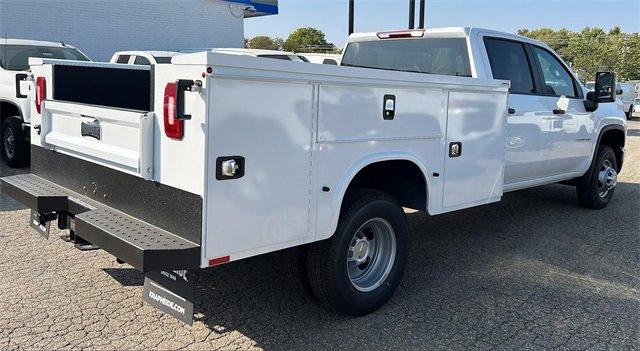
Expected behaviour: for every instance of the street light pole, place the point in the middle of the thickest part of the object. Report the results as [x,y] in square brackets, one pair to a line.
[351,17]
[412,14]
[422,13]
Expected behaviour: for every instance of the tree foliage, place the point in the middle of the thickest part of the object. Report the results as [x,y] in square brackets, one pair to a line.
[307,40]
[594,49]
[264,42]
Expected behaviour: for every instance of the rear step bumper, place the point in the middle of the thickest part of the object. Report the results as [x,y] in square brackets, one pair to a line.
[140,244]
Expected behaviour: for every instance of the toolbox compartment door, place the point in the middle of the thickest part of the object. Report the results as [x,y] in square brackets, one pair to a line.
[116,138]
[476,124]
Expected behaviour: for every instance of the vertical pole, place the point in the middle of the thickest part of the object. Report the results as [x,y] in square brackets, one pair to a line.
[351,17]
[422,13]
[412,14]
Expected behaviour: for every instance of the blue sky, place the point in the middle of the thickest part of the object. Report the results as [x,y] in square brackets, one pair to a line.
[331,16]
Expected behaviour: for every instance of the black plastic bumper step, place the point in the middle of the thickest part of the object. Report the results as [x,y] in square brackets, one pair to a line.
[140,244]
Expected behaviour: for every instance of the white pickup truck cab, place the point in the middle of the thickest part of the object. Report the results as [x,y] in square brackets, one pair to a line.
[217,157]
[14,102]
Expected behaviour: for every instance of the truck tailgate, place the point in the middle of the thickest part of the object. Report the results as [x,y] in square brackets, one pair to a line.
[117,138]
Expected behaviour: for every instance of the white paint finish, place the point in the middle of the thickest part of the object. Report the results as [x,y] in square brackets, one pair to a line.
[350,113]
[477,121]
[339,163]
[180,163]
[126,142]
[125,24]
[270,125]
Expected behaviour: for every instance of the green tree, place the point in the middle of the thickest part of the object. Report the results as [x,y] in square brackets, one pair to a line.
[593,49]
[307,40]
[264,42]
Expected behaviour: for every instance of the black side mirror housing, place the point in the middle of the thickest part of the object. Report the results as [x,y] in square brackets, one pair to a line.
[603,92]
[605,89]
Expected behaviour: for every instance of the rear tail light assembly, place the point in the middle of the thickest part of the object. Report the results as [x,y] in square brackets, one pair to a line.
[173,126]
[41,92]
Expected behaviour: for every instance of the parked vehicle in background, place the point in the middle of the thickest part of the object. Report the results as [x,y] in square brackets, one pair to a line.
[627,94]
[231,157]
[143,57]
[272,54]
[325,59]
[14,102]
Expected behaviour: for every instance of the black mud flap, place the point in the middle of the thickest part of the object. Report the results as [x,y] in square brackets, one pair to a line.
[171,292]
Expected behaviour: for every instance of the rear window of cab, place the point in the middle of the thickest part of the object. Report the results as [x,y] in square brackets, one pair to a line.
[444,56]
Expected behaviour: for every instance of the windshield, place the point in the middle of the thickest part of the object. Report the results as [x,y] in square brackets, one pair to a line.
[16,57]
[446,56]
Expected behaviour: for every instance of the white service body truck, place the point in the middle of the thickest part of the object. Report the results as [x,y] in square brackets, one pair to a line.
[215,158]
[14,91]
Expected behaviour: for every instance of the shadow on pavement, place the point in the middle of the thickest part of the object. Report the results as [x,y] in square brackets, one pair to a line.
[7,204]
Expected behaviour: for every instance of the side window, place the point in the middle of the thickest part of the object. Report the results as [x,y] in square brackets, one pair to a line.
[509,61]
[556,79]
[140,60]
[123,59]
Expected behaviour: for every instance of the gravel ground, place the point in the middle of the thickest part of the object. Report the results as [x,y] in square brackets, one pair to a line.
[535,271]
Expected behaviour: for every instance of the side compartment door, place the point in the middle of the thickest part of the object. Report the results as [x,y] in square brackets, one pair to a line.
[474,166]
[266,128]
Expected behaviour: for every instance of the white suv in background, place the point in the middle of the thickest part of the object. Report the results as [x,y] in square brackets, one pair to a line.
[627,93]
[14,102]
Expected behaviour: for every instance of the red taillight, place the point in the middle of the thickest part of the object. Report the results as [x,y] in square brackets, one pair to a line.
[41,92]
[401,34]
[173,127]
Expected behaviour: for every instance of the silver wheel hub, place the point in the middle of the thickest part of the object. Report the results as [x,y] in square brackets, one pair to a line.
[607,178]
[371,254]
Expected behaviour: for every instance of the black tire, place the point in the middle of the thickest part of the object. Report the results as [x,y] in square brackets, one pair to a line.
[12,143]
[327,260]
[630,113]
[590,187]
[294,261]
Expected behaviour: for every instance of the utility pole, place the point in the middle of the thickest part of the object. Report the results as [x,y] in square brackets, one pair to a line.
[412,14]
[351,17]
[422,14]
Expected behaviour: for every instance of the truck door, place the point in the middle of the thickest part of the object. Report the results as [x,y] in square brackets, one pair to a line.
[529,119]
[572,130]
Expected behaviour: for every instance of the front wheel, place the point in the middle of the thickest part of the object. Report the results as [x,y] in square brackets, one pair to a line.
[358,269]
[595,189]
[630,112]
[13,146]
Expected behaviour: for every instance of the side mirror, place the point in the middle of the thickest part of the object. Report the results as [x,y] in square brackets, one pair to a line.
[605,89]
[619,91]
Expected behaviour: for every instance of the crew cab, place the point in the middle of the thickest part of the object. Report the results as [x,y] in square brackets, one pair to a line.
[216,158]
[143,57]
[14,103]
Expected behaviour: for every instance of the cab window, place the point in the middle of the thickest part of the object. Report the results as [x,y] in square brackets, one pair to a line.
[141,60]
[509,61]
[123,59]
[556,79]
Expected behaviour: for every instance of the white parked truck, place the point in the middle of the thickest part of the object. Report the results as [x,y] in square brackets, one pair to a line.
[138,57]
[14,103]
[216,158]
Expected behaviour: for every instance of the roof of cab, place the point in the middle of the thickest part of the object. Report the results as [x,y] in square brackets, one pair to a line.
[148,52]
[27,42]
[445,32]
